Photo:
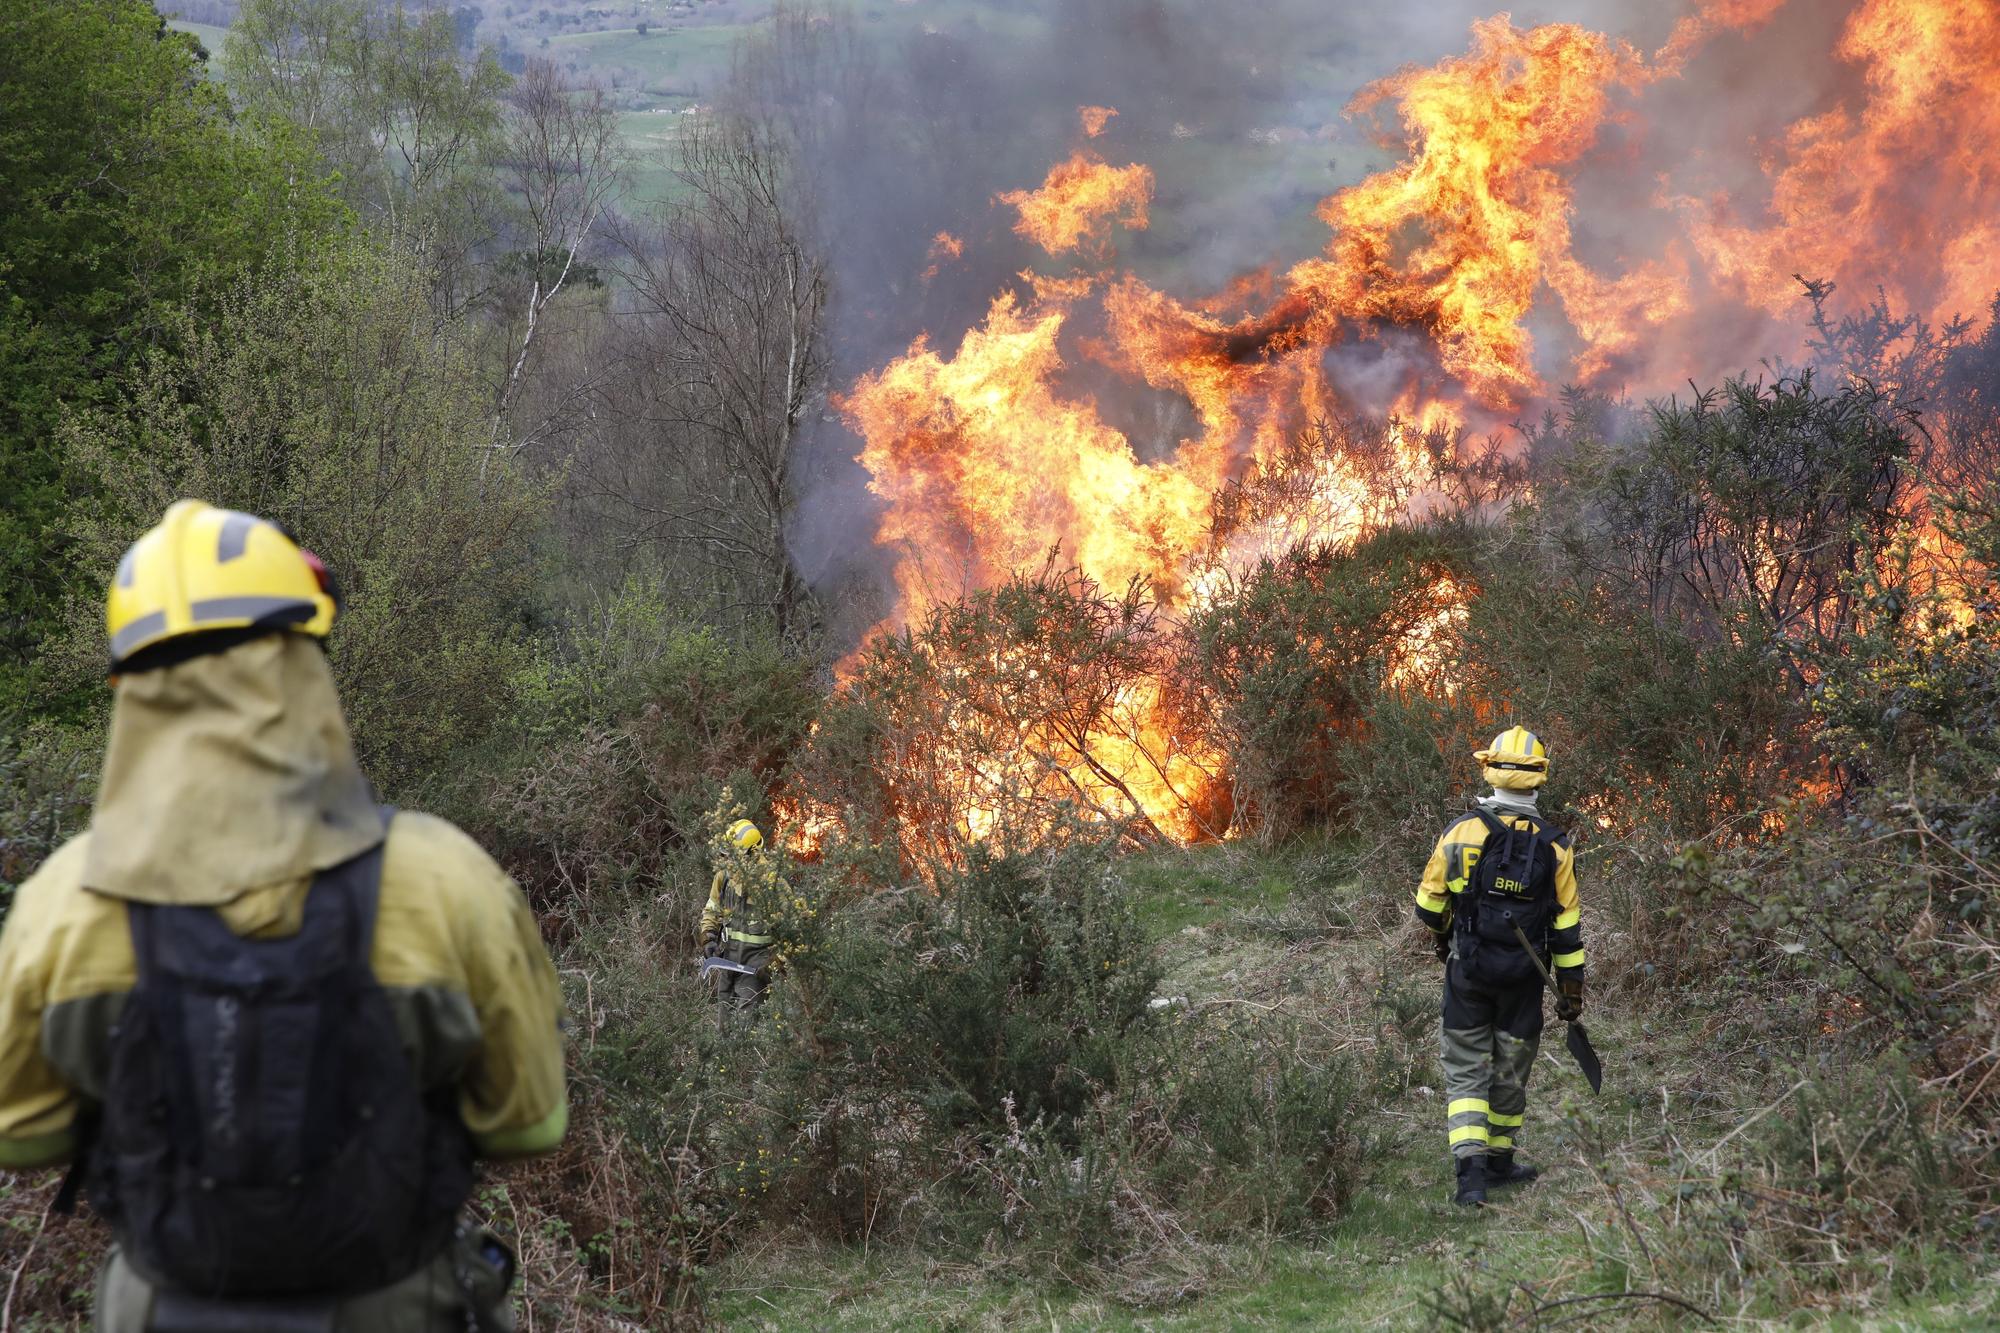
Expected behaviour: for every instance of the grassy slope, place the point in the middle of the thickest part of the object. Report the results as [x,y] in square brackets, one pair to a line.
[1221,919]
[670,64]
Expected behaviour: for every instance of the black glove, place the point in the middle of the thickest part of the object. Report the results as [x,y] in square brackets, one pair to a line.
[711,945]
[1441,945]
[1569,996]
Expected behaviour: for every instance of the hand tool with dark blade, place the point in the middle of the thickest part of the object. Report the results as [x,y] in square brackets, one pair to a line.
[1579,1040]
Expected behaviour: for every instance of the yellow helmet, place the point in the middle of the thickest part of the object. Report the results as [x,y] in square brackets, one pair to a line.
[204,569]
[1517,760]
[744,837]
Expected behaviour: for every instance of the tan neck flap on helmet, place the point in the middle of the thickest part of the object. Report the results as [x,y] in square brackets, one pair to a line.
[227,773]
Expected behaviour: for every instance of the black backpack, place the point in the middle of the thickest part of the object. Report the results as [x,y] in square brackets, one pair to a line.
[1512,884]
[263,1132]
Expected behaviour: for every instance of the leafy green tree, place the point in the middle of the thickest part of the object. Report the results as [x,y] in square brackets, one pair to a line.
[317,394]
[127,190]
[408,121]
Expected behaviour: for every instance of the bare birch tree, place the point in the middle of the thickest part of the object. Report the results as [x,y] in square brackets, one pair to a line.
[407,120]
[729,361]
[563,161]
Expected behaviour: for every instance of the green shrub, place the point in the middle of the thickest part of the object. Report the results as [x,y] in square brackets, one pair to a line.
[1746,511]
[616,805]
[1849,1187]
[48,776]
[1916,688]
[1248,1127]
[1009,991]
[1216,1131]
[1292,658]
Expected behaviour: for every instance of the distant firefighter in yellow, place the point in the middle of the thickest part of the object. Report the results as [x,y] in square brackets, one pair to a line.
[736,933]
[1501,882]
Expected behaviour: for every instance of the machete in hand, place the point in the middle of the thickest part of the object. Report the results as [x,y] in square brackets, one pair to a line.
[1579,1040]
[709,965]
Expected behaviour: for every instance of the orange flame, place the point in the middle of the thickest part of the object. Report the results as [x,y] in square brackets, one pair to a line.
[1457,238]
[1094,119]
[989,456]
[802,827]
[1076,206]
[1710,17]
[986,466]
[1901,189]
[945,249]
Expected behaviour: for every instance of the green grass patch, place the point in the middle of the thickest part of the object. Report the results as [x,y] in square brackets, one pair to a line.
[1377,1267]
[1236,888]
[669,65]
[1204,887]
[652,138]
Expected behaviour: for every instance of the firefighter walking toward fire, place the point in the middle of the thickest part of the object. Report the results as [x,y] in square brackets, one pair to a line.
[1501,881]
[270,1023]
[734,927]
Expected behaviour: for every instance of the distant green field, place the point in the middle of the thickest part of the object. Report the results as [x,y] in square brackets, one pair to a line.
[689,63]
[652,141]
[668,65]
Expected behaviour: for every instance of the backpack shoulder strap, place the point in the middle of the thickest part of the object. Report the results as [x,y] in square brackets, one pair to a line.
[145,928]
[346,896]
[1543,830]
[1547,838]
[358,880]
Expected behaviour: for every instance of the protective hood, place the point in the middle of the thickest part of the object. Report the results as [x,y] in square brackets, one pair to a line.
[225,774]
[1514,779]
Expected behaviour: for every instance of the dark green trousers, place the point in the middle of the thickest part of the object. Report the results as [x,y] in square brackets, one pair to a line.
[737,993]
[1488,1042]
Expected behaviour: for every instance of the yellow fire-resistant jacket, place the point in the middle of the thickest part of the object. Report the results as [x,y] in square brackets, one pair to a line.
[1450,871]
[457,949]
[730,910]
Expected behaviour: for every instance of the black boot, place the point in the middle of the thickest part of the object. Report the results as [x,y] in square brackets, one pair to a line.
[1502,1169]
[1471,1181]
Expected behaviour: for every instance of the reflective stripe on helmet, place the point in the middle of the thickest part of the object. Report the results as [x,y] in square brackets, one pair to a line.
[254,610]
[234,538]
[149,626]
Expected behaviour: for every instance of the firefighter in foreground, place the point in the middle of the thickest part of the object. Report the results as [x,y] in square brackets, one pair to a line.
[1500,873]
[270,1023]
[734,921]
